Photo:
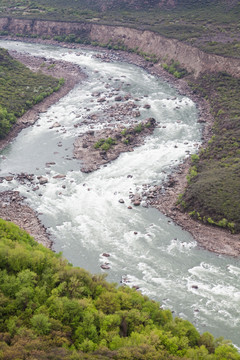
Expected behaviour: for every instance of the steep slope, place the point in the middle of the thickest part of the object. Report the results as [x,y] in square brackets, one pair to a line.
[20,90]
[208,24]
[51,310]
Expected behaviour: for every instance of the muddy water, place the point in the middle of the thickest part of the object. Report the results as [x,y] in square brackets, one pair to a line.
[83,212]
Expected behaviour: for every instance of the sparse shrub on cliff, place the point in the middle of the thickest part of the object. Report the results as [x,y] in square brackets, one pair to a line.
[175,69]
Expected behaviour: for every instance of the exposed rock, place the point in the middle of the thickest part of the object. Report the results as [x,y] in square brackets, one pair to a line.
[13,209]
[101,100]
[55,125]
[59,176]
[42,180]
[35,188]
[105,266]
[48,164]
[121,140]
[136,113]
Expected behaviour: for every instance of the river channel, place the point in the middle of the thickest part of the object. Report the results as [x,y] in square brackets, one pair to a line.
[83,213]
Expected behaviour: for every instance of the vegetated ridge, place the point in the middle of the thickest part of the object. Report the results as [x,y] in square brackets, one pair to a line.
[20,90]
[52,310]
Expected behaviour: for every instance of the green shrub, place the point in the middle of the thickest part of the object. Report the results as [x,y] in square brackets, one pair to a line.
[99,143]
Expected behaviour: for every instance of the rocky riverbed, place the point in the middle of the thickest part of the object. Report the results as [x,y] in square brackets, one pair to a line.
[163,197]
[96,148]
[12,206]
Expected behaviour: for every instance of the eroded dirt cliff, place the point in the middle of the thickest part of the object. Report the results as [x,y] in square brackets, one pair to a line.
[191,58]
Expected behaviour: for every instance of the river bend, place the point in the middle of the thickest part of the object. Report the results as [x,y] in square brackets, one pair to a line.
[83,213]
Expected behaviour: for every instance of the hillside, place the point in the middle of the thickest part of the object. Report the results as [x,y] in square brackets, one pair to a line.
[52,310]
[20,90]
[213,191]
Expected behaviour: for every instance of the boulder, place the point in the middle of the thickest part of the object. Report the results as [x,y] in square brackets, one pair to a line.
[42,180]
[59,176]
[105,266]
[194,287]
[55,125]
[147,106]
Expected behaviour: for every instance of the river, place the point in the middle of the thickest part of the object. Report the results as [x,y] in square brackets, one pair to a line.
[83,213]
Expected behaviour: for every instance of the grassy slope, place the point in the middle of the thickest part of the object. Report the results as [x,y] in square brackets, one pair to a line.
[51,310]
[213,193]
[20,89]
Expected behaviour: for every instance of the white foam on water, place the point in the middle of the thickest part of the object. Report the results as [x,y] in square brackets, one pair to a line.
[86,217]
[233,269]
[176,246]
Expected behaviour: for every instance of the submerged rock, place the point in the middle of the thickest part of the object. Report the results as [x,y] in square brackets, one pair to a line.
[105,266]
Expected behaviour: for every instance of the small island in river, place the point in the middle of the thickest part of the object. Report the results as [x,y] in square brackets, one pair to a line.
[96,148]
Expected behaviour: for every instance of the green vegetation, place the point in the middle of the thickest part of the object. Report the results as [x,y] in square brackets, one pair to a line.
[52,310]
[213,193]
[213,26]
[175,69]
[20,89]
[105,144]
[126,135]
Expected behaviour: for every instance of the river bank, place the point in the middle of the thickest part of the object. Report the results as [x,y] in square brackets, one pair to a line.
[12,206]
[211,238]
[72,75]
[165,200]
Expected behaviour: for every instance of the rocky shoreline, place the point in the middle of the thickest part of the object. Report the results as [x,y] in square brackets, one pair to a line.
[59,69]
[164,197]
[12,206]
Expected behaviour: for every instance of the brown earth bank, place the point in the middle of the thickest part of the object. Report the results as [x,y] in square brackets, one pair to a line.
[12,208]
[191,58]
[164,197]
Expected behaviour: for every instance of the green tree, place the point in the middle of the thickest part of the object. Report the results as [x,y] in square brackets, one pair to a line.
[40,323]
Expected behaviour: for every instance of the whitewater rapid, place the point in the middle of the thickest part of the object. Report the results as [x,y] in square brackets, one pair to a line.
[83,213]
